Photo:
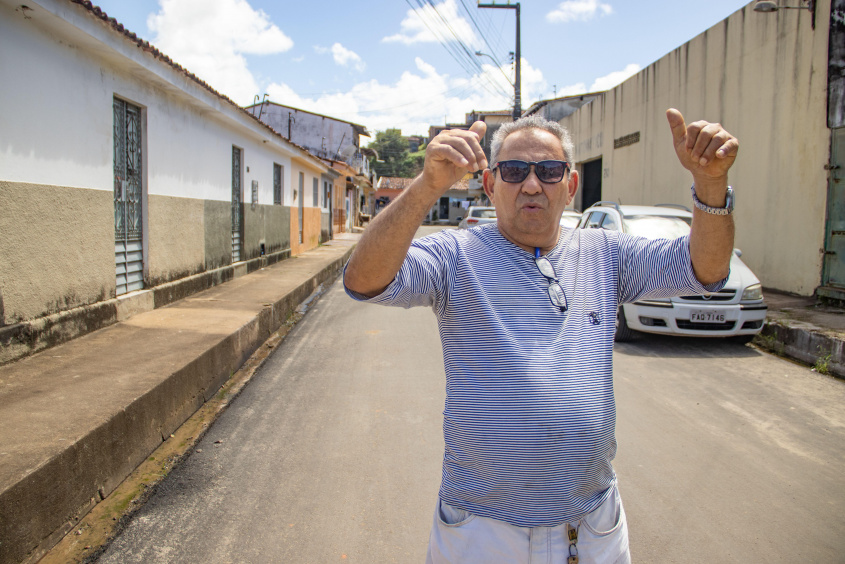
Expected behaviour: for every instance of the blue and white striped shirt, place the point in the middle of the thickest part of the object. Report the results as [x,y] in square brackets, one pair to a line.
[529,422]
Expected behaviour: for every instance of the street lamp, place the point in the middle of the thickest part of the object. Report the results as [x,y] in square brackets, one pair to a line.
[768,6]
[480,54]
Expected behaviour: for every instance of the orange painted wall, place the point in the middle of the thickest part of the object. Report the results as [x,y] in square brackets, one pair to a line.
[311,233]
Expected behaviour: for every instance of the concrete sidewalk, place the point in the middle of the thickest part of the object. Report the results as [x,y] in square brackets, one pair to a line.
[79,417]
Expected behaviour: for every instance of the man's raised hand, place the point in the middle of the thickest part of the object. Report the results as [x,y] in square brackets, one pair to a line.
[706,149]
[452,154]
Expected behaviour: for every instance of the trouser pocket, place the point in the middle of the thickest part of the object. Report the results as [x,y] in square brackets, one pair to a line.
[606,518]
[452,516]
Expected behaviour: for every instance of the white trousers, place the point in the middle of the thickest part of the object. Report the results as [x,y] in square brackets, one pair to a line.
[461,537]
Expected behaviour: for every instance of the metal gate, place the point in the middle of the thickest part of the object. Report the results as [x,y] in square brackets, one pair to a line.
[128,192]
[237,210]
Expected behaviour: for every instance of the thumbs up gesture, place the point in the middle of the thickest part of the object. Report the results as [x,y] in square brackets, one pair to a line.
[706,149]
[452,154]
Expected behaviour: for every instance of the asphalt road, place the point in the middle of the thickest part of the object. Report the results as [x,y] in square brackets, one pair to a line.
[332,453]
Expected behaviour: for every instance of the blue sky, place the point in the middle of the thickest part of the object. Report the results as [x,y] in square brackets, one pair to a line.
[393,64]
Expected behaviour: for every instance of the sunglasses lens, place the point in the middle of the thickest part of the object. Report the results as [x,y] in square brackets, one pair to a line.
[550,171]
[514,171]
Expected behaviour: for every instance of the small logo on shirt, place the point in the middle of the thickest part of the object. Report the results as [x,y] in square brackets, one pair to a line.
[594,318]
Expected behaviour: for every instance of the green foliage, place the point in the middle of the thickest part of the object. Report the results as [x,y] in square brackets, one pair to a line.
[822,365]
[393,151]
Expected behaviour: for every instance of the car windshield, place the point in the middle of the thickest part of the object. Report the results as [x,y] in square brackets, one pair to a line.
[484,214]
[657,226]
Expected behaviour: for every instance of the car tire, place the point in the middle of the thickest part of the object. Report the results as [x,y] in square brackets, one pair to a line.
[623,332]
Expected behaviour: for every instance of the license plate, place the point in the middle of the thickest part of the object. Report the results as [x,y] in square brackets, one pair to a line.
[707,316]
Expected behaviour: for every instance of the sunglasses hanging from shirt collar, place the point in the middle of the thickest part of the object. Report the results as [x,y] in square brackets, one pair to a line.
[556,294]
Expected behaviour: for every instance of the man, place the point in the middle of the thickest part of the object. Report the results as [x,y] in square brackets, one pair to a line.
[526,315]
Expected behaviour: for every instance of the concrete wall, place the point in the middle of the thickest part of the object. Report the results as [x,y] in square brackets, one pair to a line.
[558,109]
[763,76]
[312,220]
[56,249]
[321,135]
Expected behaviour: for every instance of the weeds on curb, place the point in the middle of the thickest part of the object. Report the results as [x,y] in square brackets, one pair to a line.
[822,364]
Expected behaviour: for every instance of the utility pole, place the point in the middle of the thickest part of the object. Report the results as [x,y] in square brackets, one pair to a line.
[517,90]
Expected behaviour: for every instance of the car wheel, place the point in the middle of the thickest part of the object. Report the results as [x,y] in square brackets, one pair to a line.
[623,332]
[742,339]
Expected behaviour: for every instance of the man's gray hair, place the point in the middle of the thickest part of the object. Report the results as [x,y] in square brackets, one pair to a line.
[531,122]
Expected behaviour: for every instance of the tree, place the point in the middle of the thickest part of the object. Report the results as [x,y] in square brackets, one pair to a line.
[393,152]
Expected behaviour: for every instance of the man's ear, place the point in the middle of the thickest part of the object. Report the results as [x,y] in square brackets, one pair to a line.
[487,180]
[572,185]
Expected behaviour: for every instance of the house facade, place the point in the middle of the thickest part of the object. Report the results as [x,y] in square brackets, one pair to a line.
[334,141]
[126,182]
[775,80]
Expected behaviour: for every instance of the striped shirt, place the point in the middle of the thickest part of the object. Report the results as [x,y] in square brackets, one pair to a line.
[529,421]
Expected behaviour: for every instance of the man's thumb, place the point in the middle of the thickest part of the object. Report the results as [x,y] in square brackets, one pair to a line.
[479,128]
[676,123]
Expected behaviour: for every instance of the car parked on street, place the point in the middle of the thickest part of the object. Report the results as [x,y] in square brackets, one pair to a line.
[735,311]
[570,218]
[477,215]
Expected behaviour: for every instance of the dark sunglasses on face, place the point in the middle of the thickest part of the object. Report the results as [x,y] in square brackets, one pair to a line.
[515,171]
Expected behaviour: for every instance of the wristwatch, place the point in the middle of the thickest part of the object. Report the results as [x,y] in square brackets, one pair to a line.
[729,203]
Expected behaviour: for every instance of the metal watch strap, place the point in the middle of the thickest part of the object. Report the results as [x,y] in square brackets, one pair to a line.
[729,203]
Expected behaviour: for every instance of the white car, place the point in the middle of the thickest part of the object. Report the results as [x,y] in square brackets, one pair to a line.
[736,311]
[477,215]
[570,219]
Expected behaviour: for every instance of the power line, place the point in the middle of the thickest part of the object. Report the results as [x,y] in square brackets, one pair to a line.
[481,33]
[474,61]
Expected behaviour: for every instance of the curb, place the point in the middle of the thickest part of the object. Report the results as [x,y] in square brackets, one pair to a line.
[804,342]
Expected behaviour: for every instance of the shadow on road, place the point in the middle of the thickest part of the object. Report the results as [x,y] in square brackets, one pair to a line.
[685,347]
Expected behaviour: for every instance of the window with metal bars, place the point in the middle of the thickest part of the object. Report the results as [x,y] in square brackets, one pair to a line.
[278,183]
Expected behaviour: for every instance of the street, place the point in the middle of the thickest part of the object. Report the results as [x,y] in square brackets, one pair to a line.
[332,453]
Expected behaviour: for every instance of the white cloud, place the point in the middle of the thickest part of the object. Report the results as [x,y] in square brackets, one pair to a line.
[571,90]
[600,84]
[210,37]
[578,10]
[608,81]
[431,24]
[343,56]
[419,98]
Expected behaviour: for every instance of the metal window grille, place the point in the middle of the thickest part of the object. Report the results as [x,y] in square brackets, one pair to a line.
[301,205]
[316,188]
[237,218]
[128,227]
[278,171]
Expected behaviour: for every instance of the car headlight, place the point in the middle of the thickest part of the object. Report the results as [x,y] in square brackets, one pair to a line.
[753,293]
